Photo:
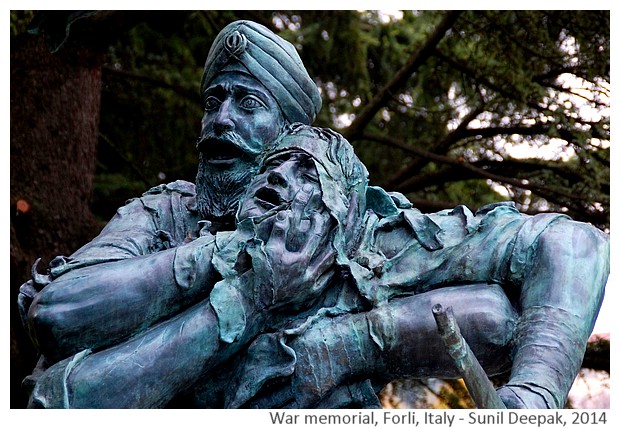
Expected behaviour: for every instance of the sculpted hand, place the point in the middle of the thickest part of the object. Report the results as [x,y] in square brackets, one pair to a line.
[331,359]
[298,254]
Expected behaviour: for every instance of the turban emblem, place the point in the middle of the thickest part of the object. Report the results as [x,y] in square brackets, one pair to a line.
[272,61]
[235,43]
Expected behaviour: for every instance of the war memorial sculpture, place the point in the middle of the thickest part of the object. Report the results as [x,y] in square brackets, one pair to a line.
[281,279]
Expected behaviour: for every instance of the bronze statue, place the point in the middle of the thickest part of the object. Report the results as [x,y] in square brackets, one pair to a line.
[525,289]
[230,282]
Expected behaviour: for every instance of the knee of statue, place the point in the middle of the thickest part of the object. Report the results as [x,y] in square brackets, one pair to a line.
[487,320]
[486,317]
[570,243]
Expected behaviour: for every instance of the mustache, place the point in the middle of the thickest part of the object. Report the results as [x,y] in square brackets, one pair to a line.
[228,141]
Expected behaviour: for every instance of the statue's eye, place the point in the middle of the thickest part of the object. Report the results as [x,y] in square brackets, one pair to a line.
[212,103]
[308,167]
[311,177]
[251,102]
[273,163]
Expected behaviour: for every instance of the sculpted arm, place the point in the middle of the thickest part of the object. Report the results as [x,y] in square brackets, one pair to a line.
[150,368]
[99,305]
[147,370]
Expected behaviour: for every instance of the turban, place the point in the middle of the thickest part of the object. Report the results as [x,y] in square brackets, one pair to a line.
[272,61]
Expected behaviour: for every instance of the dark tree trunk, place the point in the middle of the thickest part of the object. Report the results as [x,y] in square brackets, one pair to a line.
[54,131]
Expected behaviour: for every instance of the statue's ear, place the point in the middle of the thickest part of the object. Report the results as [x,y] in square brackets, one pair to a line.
[380,201]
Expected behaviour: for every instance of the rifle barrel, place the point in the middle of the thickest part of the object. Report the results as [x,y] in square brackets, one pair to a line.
[476,380]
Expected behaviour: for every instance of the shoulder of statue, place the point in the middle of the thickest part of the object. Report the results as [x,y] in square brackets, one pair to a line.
[186,189]
[175,198]
[509,206]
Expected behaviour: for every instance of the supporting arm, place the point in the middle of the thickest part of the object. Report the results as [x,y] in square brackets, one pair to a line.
[149,369]
[99,305]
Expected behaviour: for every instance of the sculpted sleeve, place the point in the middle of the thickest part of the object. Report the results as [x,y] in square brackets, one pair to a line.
[410,252]
[162,218]
[134,257]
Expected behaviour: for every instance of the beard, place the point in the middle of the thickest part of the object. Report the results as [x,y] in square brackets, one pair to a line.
[218,191]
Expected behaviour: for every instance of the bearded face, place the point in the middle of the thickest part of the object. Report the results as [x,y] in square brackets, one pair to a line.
[241,120]
[218,191]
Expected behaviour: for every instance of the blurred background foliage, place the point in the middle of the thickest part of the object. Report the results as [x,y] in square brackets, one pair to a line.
[446,107]
[515,102]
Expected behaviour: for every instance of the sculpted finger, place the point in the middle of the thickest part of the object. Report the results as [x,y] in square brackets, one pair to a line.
[317,235]
[323,263]
[300,221]
[299,208]
[326,258]
[279,229]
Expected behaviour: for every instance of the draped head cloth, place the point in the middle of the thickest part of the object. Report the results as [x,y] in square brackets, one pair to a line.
[272,61]
[343,179]
[342,176]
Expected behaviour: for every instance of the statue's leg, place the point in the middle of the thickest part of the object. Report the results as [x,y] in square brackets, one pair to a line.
[400,339]
[485,316]
[560,297]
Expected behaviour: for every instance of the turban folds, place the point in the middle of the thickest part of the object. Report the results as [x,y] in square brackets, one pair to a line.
[272,61]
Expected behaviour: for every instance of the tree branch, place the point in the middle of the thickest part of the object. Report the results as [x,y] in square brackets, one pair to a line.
[523,184]
[441,146]
[509,167]
[510,95]
[538,129]
[416,59]
[137,171]
[553,74]
[447,174]
[483,80]
[597,355]
[188,94]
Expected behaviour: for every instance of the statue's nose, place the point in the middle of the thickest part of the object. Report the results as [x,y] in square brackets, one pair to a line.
[276,178]
[223,121]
